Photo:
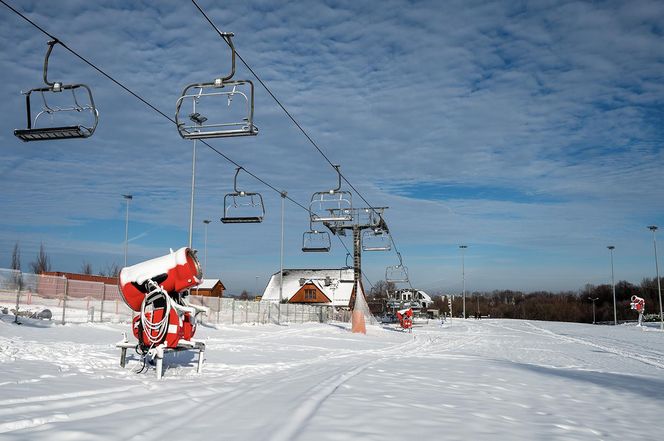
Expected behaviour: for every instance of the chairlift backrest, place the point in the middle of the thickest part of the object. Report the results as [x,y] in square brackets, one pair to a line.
[334,205]
[396,274]
[242,207]
[314,241]
[223,91]
[69,113]
[376,239]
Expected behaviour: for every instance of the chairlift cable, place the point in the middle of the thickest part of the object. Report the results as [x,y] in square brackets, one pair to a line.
[290,116]
[151,106]
[143,100]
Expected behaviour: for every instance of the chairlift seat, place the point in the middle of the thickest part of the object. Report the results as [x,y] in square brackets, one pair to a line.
[242,220]
[32,133]
[315,249]
[242,207]
[208,127]
[46,133]
[314,241]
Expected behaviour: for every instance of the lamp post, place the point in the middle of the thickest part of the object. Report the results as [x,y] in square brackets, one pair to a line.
[127,198]
[206,222]
[463,275]
[613,287]
[653,228]
[593,300]
[197,119]
[191,202]
[281,257]
[256,287]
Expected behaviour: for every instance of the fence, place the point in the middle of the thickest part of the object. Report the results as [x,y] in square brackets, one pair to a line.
[77,301]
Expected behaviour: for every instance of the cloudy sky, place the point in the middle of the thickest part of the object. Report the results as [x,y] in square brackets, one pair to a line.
[530,131]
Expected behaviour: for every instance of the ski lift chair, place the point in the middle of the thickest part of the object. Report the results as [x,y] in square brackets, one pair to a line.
[376,239]
[314,241]
[397,273]
[242,207]
[334,205]
[34,133]
[216,91]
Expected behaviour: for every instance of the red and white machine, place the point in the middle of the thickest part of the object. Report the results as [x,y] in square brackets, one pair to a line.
[639,305]
[156,290]
[405,317]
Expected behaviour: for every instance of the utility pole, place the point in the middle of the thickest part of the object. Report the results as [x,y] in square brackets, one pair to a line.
[593,300]
[128,198]
[281,258]
[463,276]
[206,222]
[613,287]
[653,228]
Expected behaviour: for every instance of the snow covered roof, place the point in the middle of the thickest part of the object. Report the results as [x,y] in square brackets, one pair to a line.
[209,283]
[336,284]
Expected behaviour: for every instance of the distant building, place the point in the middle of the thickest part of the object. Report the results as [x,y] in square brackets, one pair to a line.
[83,277]
[209,288]
[413,298]
[313,286]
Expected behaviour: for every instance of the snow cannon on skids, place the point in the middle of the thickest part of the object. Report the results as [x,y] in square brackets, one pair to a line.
[405,317]
[155,289]
[639,305]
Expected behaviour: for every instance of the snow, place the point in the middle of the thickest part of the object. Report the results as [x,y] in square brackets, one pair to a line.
[468,379]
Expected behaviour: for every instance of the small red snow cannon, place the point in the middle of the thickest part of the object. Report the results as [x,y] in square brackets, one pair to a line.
[639,305]
[405,317]
[156,289]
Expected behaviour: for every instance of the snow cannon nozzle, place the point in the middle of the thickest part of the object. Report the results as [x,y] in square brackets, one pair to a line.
[174,272]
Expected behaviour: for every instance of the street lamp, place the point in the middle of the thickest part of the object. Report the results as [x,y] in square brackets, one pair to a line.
[128,198]
[653,228]
[613,286]
[593,300]
[463,276]
[281,257]
[256,287]
[206,222]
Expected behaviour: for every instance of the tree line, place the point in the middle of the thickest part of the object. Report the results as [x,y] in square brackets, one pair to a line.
[42,264]
[566,306]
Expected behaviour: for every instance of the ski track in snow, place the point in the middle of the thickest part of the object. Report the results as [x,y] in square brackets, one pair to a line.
[310,371]
[537,330]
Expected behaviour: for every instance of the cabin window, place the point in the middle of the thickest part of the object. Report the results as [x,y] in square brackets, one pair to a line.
[309,294]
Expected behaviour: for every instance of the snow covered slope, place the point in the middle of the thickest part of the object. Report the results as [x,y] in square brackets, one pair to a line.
[468,380]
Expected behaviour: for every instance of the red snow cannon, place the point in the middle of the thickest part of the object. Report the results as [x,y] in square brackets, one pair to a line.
[405,317]
[174,272]
[637,303]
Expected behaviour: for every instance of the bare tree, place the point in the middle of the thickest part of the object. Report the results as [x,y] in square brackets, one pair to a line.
[86,268]
[16,266]
[112,270]
[16,258]
[42,263]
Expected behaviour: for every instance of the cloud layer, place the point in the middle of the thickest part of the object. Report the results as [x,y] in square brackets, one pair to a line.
[531,132]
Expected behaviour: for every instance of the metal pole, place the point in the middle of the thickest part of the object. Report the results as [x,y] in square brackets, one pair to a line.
[127,197]
[191,203]
[613,287]
[281,257]
[653,228]
[206,222]
[593,300]
[64,299]
[463,275]
[18,293]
